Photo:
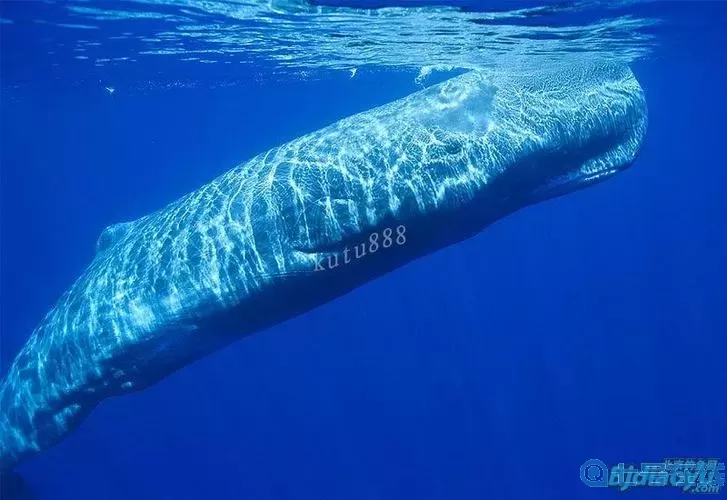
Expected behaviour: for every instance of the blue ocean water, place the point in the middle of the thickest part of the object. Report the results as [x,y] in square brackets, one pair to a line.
[588,326]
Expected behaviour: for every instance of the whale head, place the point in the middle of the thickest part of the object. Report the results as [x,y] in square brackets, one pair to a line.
[459,155]
[525,138]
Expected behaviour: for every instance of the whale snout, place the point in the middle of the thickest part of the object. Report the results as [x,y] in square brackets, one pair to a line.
[562,131]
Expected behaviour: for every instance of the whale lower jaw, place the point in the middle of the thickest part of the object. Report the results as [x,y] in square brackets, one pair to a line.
[569,185]
[572,185]
[272,238]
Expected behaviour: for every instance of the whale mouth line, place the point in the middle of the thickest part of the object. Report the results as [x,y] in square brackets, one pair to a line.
[571,184]
[578,182]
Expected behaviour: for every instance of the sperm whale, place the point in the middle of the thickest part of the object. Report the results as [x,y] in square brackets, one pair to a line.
[292,229]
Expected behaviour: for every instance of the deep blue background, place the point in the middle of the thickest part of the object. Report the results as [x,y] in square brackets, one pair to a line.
[591,326]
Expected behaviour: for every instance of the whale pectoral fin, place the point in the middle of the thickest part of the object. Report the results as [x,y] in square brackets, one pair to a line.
[147,361]
[112,234]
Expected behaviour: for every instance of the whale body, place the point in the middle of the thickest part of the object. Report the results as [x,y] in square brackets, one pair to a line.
[294,228]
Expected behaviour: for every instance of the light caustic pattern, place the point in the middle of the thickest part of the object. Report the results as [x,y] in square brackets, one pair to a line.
[144,306]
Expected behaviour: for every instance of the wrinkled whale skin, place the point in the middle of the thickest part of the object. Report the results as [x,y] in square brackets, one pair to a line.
[243,252]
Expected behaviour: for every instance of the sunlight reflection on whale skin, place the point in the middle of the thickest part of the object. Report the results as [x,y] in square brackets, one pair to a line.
[239,254]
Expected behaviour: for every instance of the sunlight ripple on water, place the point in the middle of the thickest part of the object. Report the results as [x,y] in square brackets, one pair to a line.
[300,35]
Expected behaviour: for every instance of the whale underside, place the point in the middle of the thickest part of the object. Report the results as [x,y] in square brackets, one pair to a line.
[293,228]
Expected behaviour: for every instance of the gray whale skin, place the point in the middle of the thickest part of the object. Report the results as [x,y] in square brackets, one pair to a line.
[244,252]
